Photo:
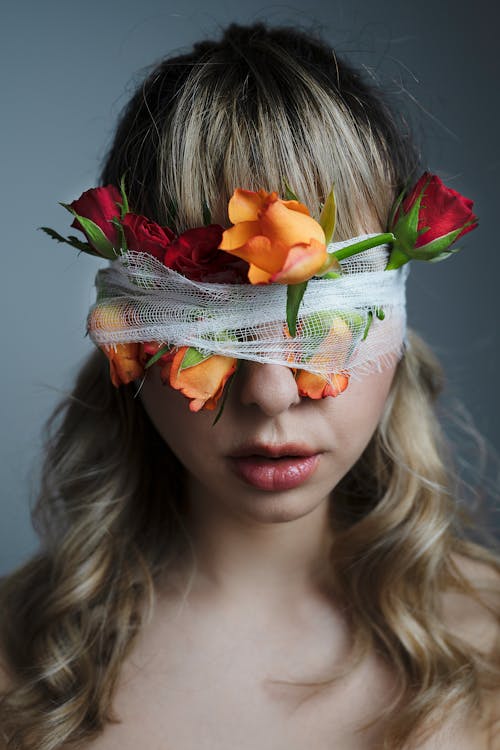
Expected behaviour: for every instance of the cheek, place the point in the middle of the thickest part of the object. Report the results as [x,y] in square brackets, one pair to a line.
[356,413]
[181,429]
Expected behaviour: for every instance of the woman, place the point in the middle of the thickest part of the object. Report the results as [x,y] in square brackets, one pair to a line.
[293,575]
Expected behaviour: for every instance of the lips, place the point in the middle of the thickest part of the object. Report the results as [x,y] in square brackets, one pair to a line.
[274,467]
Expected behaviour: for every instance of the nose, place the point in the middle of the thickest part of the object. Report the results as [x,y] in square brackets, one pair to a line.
[272,388]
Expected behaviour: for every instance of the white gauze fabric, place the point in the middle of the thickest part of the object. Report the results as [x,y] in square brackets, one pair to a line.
[141,300]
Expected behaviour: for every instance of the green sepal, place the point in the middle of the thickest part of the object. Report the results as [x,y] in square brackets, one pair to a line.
[124,207]
[368,324]
[328,216]
[225,393]
[95,234]
[395,207]
[331,275]
[440,244]
[294,294]
[397,258]
[71,240]
[289,194]
[207,216]
[193,357]
[121,233]
[159,354]
[379,312]
[444,255]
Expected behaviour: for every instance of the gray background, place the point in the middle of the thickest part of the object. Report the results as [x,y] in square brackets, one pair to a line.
[68,67]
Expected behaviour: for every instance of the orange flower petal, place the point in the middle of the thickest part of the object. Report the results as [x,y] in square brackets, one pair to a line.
[290,228]
[302,262]
[296,206]
[204,382]
[257,276]
[124,363]
[244,205]
[316,386]
[237,236]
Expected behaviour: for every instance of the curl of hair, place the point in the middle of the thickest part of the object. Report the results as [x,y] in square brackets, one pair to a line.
[260,107]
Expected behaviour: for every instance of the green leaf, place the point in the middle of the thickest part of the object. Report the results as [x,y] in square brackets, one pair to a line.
[289,194]
[380,313]
[159,354]
[96,236]
[294,294]
[193,357]
[73,241]
[207,216]
[124,206]
[328,216]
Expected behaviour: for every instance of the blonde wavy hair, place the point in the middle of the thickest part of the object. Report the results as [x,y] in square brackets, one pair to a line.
[254,109]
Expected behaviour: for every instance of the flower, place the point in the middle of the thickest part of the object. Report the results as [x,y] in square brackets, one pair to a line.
[146,236]
[195,254]
[125,360]
[203,382]
[428,220]
[338,339]
[279,239]
[316,386]
[99,205]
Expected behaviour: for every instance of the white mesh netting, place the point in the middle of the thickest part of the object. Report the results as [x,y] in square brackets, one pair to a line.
[139,299]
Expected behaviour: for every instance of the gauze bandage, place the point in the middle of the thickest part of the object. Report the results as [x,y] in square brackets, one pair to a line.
[340,325]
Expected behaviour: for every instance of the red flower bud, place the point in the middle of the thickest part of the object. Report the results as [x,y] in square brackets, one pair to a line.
[100,206]
[428,221]
[442,210]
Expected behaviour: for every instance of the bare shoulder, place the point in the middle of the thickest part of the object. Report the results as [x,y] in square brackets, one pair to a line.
[478,626]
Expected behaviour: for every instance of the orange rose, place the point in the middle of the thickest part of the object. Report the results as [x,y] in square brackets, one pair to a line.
[279,239]
[204,382]
[315,386]
[125,360]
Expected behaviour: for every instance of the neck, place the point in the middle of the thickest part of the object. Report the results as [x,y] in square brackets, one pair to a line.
[263,562]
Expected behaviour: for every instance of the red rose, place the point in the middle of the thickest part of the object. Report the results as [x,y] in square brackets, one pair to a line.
[195,254]
[442,210]
[146,236]
[429,220]
[100,206]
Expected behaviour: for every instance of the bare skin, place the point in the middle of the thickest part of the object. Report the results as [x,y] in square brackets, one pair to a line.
[200,675]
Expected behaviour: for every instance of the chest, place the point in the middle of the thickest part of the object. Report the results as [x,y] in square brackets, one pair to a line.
[218,691]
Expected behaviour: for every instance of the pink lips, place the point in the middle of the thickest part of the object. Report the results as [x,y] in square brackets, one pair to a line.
[274,468]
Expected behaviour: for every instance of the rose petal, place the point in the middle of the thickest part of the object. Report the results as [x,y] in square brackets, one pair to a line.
[290,228]
[204,382]
[244,205]
[237,236]
[302,262]
[315,386]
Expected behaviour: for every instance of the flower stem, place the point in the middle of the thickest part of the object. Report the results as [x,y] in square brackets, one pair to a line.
[358,247]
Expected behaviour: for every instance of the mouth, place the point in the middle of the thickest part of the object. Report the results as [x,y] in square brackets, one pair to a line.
[274,467]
